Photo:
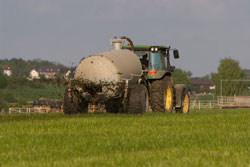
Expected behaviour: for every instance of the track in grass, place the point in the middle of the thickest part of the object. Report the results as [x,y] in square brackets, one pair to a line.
[202,138]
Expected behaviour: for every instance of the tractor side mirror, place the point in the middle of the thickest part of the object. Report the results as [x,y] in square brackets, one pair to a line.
[176,54]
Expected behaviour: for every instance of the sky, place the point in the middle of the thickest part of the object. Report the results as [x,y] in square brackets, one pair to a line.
[64,31]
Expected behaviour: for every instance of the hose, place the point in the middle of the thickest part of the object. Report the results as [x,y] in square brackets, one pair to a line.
[130,41]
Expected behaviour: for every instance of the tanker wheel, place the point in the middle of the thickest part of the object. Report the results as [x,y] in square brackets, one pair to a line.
[162,95]
[185,102]
[138,100]
[73,104]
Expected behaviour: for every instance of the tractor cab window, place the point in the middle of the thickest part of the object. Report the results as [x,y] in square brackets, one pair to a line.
[144,61]
[156,60]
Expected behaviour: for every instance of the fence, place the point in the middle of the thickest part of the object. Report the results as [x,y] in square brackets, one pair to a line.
[234,101]
[30,110]
[221,102]
[203,104]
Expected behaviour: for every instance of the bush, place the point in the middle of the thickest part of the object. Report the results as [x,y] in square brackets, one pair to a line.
[3,106]
[9,97]
[3,80]
[21,102]
[36,85]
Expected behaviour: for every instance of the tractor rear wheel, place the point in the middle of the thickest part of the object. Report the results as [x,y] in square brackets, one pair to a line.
[138,101]
[185,102]
[162,95]
[73,104]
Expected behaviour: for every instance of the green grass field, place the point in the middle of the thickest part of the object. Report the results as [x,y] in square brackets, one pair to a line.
[200,138]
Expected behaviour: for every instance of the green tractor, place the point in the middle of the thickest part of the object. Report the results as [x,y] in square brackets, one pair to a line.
[164,95]
[127,78]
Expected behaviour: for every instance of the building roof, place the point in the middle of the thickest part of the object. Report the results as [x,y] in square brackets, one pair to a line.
[200,81]
[5,67]
[145,47]
[49,69]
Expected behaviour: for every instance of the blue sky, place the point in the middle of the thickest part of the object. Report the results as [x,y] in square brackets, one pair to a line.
[64,31]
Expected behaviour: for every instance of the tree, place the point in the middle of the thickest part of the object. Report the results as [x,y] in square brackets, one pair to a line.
[3,106]
[206,77]
[229,69]
[189,74]
[3,80]
[181,77]
[8,97]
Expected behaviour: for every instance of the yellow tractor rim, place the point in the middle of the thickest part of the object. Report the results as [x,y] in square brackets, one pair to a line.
[168,97]
[185,103]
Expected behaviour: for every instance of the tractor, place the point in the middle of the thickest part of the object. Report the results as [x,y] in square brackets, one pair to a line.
[127,78]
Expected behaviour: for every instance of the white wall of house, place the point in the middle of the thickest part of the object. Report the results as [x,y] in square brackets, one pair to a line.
[7,72]
[212,87]
[67,74]
[34,74]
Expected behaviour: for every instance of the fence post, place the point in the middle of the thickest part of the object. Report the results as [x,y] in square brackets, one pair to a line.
[194,104]
[222,102]
[248,101]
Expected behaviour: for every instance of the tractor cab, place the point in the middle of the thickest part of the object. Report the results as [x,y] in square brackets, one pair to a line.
[155,60]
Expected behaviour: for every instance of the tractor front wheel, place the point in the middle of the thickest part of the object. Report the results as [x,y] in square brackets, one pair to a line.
[185,102]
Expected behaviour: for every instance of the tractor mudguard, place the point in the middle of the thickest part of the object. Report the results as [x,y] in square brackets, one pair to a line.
[178,93]
[159,74]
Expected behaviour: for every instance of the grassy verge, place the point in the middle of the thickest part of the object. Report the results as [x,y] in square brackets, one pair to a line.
[201,138]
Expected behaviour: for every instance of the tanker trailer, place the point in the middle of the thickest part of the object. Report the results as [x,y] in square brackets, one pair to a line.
[126,79]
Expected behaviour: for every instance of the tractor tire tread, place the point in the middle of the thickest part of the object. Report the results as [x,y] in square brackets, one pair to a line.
[137,100]
[157,97]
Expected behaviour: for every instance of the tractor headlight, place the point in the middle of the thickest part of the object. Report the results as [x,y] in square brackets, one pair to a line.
[154,49]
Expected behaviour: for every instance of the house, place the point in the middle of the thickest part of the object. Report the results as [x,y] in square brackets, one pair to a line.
[68,75]
[49,71]
[6,70]
[201,84]
[33,75]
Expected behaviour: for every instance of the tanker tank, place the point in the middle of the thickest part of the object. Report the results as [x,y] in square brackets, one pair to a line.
[111,66]
[106,72]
